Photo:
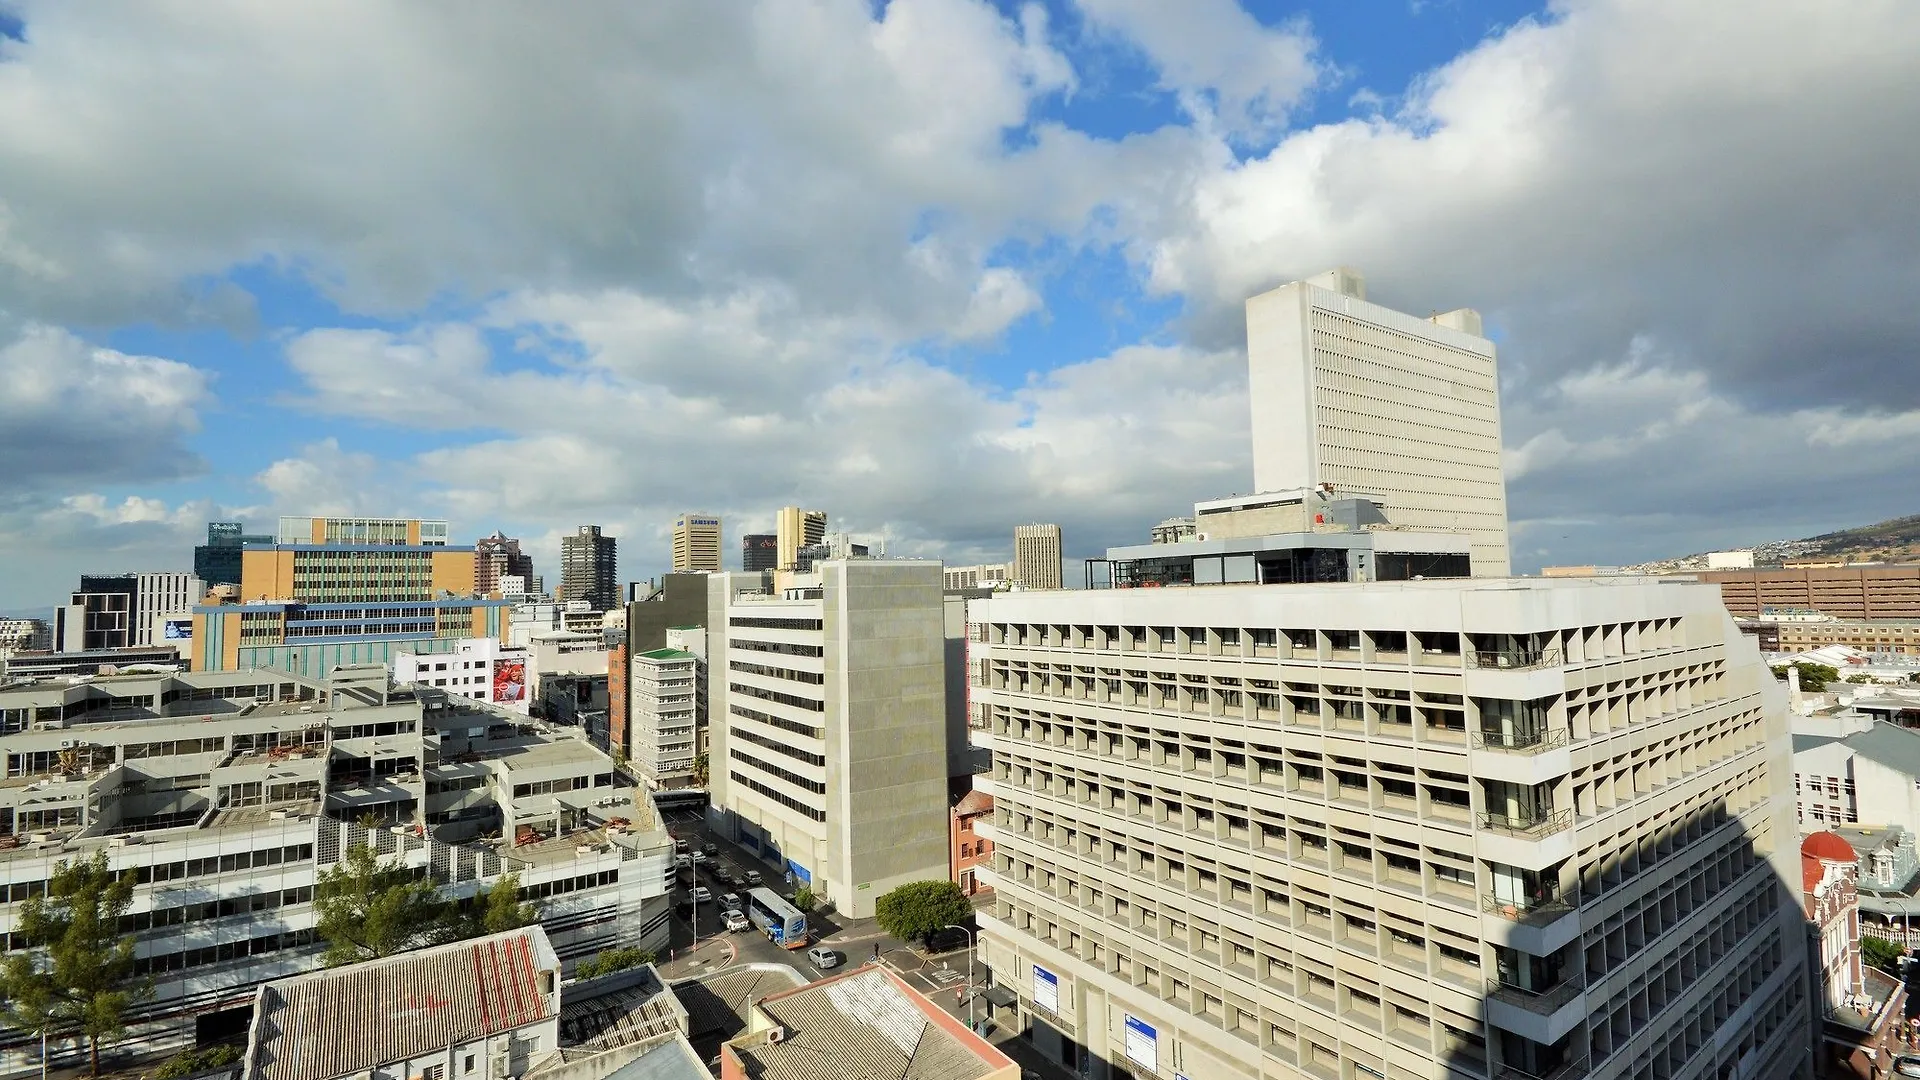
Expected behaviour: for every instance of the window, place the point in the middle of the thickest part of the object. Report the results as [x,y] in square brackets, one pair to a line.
[434,1072]
[467,1063]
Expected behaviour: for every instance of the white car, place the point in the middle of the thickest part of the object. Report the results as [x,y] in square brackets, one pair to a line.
[730,901]
[823,957]
[702,894]
[735,921]
[682,862]
[698,857]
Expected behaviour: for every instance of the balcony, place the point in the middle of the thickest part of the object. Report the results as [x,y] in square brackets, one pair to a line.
[1514,659]
[1536,910]
[1544,1002]
[1521,741]
[1532,827]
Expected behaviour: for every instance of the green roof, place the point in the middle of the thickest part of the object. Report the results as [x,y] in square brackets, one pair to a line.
[669,654]
[695,626]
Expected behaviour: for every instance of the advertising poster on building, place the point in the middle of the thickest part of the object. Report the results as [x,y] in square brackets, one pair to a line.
[1046,989]
[177,630]
[1143,1044]
[509,681]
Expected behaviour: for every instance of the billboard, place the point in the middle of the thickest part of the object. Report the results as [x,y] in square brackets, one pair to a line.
[1143,1044]
[509,681]
[176,630]
[1046,989]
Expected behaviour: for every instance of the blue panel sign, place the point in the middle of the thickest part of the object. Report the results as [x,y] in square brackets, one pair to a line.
[1046,989]
[799,871]
[1143,1044]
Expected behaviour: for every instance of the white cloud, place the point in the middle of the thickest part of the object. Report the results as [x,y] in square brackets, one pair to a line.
[1226,68]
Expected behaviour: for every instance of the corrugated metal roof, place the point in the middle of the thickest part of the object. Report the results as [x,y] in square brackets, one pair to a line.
[347,1020]
[859,1027]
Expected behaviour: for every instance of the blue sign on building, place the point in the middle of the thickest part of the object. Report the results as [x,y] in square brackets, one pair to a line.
[799,871]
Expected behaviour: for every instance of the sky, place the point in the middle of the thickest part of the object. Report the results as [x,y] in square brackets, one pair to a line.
[938,267]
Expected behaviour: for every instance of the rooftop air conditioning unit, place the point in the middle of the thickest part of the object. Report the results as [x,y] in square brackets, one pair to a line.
[68,744]
[775,1035]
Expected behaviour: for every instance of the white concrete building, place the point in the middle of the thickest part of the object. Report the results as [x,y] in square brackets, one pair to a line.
[828,741]
[226,794]
[165,600]
[1369,399]
[478,668]
[1869,778]
[1443,828]
[664,697]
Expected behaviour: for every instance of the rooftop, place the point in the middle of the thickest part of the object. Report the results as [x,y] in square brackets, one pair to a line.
[615,1010]
[718,1003]
[667,654]
[353,1019]
[865,1024]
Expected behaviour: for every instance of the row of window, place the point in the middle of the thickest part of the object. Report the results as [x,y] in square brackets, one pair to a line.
[788,801]
[815,786]
[812,677]
[764,694]
[760,622]
[777,747]
[183,914]
[781,648]
[780,722]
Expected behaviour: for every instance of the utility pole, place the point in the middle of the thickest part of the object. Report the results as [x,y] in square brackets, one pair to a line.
[972,991]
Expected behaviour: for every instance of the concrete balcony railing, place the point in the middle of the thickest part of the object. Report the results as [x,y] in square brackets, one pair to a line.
[1545,1002]
[1521,741]
[1530,826]
[1514,659]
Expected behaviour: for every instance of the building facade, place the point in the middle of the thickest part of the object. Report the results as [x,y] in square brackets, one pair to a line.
[828,745]
[588,568]
[696,543]
[1861,1009]
[1427,828]
[794,529]
[498,557]
[1036,556]
[101,614]
[1371,400]
[217,562]
[361,532]
[479,669]
[981,576]
[1843,592]
[665,701]
[759,551]
[227,794]
[971,850]
[25,635]
[162,602]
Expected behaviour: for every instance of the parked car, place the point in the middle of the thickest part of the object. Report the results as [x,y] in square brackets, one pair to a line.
[735,921]
[753,878]
[680,845]
[702,894]
[1907,1065]
[712,849]
[733,877]
[823,957]
[682,862]
[730,901]
[699,858]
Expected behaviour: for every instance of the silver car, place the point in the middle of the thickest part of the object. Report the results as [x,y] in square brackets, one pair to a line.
[823,957]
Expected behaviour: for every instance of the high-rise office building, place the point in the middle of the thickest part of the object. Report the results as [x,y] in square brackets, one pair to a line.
[1377,402]
[829,724]
[217,562]
[696,543]
[123,611]
[1036,556]
[794,529]
[163,605]
[499,556]
[759,551]
[587,563]
[1420,828]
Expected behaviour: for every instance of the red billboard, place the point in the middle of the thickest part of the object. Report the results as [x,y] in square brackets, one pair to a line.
[509,681]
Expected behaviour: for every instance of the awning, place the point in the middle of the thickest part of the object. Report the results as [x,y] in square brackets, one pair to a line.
[1000,997]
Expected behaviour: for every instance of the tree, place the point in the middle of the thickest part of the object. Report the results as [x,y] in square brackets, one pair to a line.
[76,975]
[194,1061]
[1813,677]
[919,909]
[611,960]
[499,909]
[700,771]
[368,909]
[1861,679]
[1881,953]
[803,898]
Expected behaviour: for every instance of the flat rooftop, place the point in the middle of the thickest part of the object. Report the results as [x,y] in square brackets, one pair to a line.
[865,1024]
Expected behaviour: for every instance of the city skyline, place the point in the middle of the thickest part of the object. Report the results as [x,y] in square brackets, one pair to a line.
[971,310]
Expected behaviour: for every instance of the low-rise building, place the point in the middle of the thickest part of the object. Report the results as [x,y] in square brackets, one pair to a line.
[864,1024]
[1869,777]
[971,849]
[55,665]
[478,668]
[980,576]
[1861,1008]
[228,794]
[25,635]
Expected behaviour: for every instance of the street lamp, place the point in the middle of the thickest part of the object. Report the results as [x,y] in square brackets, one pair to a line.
[972,991]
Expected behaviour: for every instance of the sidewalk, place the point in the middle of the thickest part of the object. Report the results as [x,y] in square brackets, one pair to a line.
[710,955]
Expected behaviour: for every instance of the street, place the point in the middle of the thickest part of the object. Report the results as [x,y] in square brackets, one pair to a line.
[942,977]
